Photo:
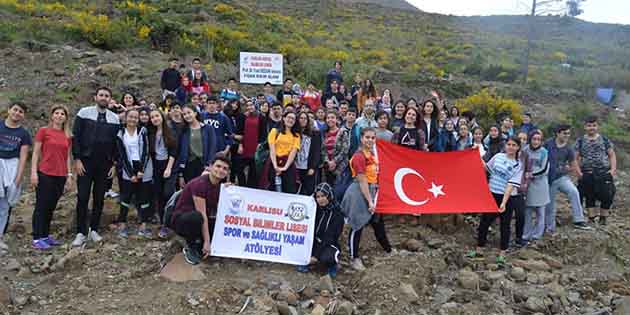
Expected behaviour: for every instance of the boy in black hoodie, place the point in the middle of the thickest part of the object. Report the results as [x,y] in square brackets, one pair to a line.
[328,227]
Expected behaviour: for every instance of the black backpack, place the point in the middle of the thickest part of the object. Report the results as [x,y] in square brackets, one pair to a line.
[169,207]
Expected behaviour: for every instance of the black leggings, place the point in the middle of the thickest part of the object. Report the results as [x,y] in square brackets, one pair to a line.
[163,188]
[189,224]
[192,170]
[377,223]
[307,182]
[506,220]
[47,194]
[288,177]
[239,165]
[142,192]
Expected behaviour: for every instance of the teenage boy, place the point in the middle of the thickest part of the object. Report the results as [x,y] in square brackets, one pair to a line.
[561,162]
[598,167]
[334,74]
[171,79]
[230,93]
[15,143]
[196,210]
[268,92]
[196,66]
[221,123]
[93,150]
[285,96]
[275,116]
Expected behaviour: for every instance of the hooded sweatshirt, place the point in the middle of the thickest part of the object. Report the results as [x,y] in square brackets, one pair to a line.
[328,220]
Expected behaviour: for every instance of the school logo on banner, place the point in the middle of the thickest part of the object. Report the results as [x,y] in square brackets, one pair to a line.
[264,225]
[297,211]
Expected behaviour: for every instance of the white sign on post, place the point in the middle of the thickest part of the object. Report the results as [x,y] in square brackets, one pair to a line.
[264,225]
[258,68]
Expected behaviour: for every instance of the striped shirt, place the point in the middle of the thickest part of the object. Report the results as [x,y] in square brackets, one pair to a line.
[504,171]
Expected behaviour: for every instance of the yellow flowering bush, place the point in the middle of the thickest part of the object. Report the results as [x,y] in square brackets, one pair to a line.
[488,107]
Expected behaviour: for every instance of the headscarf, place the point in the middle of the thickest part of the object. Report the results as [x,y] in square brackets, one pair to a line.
[327,191]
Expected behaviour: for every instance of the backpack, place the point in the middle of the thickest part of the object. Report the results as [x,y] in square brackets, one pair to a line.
[262,154]
[169,207]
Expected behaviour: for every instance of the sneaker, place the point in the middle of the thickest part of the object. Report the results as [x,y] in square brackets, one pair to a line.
[163,232]
[40,244]
[602,221]
[582,226]
[303,269]
[332,271]
[93,236]
[3,246]
[123,232]
[191,256]
[52,241]
[79,240]
[357,265]
[111,194]
[146,233]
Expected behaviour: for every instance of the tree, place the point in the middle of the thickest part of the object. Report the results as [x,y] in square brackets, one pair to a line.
[571,8]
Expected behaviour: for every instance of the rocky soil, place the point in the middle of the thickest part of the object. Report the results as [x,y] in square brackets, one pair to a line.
[572,272]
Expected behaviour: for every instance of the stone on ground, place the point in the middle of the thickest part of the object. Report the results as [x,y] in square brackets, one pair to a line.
[178,270]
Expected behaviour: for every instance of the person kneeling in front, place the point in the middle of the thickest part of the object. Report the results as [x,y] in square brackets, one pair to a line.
[328,227]
[196,210]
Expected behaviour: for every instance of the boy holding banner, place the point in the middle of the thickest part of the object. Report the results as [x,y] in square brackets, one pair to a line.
[196,210]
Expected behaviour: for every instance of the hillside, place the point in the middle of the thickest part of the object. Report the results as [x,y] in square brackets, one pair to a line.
[59,52]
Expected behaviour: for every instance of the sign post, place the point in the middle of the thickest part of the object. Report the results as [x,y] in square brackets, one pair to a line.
[258,68]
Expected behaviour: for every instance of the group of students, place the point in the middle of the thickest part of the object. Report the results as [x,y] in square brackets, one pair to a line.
[310,142]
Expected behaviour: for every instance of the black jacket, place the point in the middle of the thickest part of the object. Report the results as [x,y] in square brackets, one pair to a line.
[171,79]
[88,133]
[328,227]
[146,166]
[315,151]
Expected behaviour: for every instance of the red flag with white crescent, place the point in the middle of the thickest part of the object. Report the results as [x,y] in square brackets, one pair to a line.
[416,182]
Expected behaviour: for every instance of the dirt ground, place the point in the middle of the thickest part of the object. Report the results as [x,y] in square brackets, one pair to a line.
[572,272]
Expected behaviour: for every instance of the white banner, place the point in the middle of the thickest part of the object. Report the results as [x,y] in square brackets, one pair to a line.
[264,225]
[258,68]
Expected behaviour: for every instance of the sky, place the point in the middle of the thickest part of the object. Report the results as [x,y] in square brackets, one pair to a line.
[599,11]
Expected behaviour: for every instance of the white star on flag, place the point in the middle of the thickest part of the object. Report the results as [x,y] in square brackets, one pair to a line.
[436,190]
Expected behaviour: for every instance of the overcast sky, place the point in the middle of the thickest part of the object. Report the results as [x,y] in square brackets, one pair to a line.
[601,11]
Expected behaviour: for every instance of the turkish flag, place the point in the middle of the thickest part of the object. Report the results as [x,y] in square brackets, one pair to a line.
[413,182]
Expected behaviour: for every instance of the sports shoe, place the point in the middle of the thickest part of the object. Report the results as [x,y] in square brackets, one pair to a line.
[111,194]
[191,255]
[357,265]
[79,240]
[163,232]
[602,221]
[50,240]
[582,226]
[123,232]
[40,244]
[146,233]
[93,236]
[3,245]
[332,271]
[303,269]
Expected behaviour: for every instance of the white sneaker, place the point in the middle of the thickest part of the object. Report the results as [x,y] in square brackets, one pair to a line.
[79,240]
[357,264]
[93,236]
[3,246]
[111,194]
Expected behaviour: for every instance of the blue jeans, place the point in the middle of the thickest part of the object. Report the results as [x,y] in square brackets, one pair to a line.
[563,184]
[4,214]
[534,231]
